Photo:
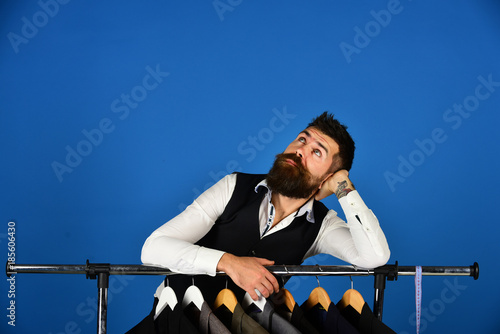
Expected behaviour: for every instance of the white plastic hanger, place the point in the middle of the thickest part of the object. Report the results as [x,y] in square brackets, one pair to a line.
[247,301]
[193,295]
[166,296]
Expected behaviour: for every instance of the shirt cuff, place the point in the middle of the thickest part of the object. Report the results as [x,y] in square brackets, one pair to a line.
[207,259]
[352,203]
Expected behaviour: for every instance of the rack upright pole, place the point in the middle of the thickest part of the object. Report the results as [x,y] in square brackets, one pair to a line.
[102,298]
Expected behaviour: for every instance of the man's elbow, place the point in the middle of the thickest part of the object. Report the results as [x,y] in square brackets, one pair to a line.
[382,260]
[147,253]
[374,260]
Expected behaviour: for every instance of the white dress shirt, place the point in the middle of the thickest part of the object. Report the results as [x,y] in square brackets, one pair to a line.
[360,241]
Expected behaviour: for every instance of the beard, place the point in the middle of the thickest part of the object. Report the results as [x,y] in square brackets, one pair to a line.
[291,180]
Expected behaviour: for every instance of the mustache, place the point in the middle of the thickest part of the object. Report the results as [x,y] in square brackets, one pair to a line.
[283,157]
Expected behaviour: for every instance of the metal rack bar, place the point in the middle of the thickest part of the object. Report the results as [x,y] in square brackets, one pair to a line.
[102,271]
[123,269]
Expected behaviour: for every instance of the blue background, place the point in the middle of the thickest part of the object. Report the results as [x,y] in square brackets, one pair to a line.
[237,81]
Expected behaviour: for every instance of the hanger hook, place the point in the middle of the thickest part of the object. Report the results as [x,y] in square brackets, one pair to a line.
[192,280]
[168,282]
[317,279]
[352,282]
[287,272]
[282,278]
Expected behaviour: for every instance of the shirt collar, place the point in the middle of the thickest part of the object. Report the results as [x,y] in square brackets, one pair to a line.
[307,208]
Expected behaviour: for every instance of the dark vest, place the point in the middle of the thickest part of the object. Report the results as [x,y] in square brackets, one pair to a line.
[237,232]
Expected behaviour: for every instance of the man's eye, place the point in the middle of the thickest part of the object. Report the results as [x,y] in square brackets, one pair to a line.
[302,140]
[317,152]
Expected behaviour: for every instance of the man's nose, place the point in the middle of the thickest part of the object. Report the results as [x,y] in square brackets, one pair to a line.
[300,153]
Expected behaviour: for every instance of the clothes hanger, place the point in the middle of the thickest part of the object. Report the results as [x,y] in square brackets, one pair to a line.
[193,295]
[318,296]
[248,301]
[353,298]
[227,298]
[285,297]
[166,297]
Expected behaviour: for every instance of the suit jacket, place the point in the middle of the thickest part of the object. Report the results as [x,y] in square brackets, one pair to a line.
[366,322]
[205,320]
[271,320]
[168,321]
[239,322]
[174,321]
[329,321]
[296,317]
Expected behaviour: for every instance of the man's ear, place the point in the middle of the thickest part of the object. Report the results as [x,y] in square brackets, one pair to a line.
[324,179]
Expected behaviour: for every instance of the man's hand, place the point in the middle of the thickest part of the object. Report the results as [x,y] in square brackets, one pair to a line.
[249,274]
[338,184]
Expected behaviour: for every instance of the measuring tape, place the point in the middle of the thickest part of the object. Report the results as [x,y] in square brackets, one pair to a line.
[418,294]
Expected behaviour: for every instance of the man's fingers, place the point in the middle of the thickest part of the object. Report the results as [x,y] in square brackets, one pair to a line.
[267,289]
[264,262]
[273,283]
[253,294]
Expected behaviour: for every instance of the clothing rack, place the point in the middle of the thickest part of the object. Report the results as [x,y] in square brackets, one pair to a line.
[102,271]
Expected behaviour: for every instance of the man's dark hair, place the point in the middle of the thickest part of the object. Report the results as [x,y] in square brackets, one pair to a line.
[331,127]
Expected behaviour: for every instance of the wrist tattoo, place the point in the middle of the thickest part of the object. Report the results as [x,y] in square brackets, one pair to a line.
[342,189]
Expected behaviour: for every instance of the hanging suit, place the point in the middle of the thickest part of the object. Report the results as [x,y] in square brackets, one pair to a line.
[205,320]
[237,232]
[271,320]
[238,321]
[329,321]
[168,321]
[174,321]
[366,322]
[296,317]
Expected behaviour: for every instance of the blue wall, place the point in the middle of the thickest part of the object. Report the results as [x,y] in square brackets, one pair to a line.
[115,115]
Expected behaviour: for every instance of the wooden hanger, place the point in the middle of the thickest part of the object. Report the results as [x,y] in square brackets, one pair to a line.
[226,297]
[318,296]
[287,298]
[352,297]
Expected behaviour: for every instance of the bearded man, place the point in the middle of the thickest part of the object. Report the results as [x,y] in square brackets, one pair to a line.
[246,222]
